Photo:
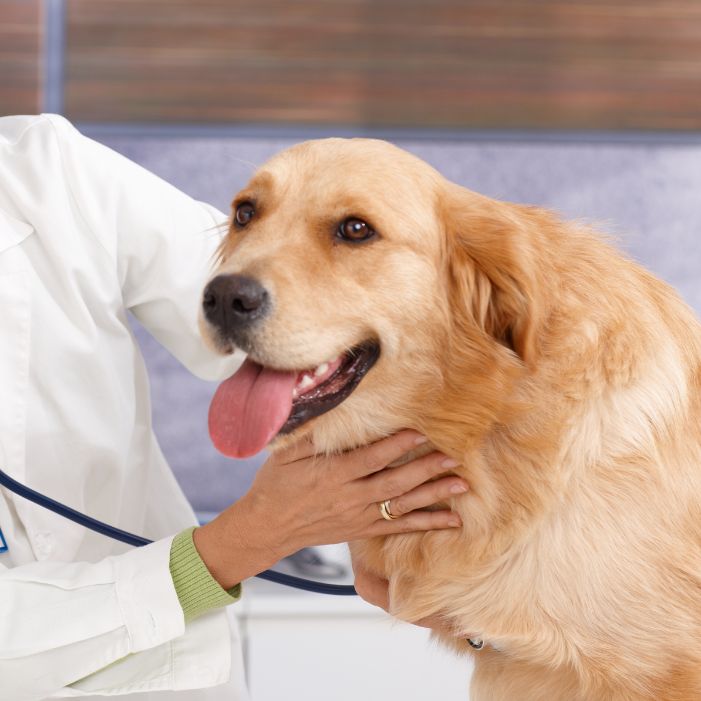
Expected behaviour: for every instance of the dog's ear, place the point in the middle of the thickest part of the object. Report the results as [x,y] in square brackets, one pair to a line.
[492,267]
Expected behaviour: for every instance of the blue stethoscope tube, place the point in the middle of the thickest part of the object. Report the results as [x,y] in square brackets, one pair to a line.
[136,540]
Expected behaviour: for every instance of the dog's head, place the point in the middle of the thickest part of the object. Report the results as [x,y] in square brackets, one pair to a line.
[357,278]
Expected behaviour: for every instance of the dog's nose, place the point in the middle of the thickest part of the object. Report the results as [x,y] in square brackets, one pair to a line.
[234,301]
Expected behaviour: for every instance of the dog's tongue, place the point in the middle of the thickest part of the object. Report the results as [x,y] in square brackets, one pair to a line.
[249,409]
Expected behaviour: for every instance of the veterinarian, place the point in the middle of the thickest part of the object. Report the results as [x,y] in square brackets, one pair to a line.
[86,235]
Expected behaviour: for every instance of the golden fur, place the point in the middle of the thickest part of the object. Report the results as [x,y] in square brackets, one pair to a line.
[565,379]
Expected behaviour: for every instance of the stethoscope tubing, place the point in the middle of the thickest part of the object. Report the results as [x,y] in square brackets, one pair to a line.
[139,541]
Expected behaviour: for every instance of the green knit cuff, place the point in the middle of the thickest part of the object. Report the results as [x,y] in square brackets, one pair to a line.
[197,590]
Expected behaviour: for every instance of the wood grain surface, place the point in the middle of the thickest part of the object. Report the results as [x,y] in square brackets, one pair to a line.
[20,56]
[584,64]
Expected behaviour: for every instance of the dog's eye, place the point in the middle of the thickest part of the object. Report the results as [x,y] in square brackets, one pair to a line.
[354,230]
[244,213]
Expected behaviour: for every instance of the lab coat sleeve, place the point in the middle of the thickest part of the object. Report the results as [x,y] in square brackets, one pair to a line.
[163,243]
[112,627]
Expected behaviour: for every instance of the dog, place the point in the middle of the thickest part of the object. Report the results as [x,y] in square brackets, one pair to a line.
[372,295]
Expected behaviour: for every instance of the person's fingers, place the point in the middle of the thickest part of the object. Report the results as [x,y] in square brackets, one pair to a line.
[395,481]
[369,459]
[427,494]
[375,590]
[416,521]
[371,588]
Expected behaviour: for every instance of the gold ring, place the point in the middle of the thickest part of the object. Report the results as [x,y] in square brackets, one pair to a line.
[385,512]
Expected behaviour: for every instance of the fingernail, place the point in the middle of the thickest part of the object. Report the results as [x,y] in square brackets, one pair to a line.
[449,462]
[420,440]
[454,522]
[459,489]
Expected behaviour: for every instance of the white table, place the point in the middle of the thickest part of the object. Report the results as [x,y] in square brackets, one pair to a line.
[313,647]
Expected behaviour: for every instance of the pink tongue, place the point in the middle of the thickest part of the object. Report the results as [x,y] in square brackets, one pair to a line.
[249,408]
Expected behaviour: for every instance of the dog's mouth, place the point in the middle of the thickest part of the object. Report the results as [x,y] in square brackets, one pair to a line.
[257,403]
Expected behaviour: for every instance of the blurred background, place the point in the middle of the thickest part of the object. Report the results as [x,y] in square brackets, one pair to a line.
[458,64]
[589,107]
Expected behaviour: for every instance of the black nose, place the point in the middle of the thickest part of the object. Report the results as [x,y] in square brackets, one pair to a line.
[231,302]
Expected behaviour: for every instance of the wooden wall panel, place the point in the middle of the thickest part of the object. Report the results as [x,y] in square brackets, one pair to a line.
[440,63]
[20,56]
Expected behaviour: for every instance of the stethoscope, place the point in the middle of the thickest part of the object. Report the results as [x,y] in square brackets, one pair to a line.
[138,541]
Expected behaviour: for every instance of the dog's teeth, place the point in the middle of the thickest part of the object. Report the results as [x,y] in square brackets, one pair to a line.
[295,393]
[321,370]
[306,381]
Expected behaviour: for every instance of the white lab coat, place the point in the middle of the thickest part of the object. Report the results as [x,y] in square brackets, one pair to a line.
[85,235]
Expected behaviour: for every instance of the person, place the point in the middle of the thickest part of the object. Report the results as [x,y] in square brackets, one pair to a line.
[86,235]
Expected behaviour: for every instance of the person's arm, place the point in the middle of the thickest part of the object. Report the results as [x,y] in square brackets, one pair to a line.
[299,499]
[319,501]
[61,623]
[163,243]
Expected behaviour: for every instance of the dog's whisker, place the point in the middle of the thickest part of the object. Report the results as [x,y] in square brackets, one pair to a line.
[253,166]
[218,228]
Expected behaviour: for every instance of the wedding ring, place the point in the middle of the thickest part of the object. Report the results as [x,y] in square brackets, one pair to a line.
[385,512]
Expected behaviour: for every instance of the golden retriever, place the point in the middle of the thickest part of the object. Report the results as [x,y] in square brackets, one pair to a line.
[373,295]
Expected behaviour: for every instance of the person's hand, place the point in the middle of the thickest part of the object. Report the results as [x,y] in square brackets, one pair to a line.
[375,590]
[300,499]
